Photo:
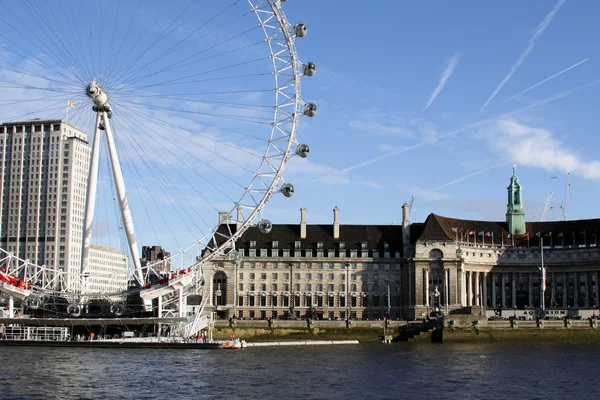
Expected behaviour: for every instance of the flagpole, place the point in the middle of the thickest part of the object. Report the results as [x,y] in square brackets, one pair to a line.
[543,277]
[67,121]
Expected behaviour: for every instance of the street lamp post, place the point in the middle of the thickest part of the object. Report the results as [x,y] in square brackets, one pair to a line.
[292,298]
[347,292]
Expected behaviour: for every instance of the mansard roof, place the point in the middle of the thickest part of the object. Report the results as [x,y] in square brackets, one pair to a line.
[572,233]
[351,235]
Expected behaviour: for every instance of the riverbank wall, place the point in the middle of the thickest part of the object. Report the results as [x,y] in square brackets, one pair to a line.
[463,328]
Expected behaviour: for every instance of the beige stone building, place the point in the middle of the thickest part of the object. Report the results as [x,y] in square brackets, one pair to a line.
[43,176]
[408,270]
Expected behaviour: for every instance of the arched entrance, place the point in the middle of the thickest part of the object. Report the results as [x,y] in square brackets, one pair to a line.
[220,289]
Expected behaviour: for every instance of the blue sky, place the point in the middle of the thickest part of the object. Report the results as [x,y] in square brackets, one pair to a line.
[379,66]
[415,98]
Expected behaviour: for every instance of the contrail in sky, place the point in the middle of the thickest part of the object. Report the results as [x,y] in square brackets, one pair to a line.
[452,63]
[528,50]
[473,125]
[463,178]
[541,82]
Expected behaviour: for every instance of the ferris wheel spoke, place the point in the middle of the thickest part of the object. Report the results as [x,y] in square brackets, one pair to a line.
[54,37]
[164,34]
[178,46]
[56,58]
[167,141]
[172,193]
[195,143]
[166,188]
[141,151]
[182,63]
[151,196]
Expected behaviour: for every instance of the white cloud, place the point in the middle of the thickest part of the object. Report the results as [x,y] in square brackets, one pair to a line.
[537,147]
[428,195]
[531,44]
[450,67]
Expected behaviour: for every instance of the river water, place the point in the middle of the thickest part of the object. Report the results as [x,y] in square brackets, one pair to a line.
[366,371]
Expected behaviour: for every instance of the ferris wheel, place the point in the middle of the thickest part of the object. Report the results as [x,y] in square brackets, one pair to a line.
[175,113]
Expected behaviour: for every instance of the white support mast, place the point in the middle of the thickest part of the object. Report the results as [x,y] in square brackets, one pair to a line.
[90,203]
[104,112]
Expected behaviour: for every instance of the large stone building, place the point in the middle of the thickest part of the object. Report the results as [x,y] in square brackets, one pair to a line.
[44,168]
[340,271]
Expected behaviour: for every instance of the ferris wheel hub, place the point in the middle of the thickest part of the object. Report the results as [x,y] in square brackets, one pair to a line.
[98,96]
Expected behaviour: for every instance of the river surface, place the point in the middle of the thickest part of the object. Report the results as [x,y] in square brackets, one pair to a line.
[366,371]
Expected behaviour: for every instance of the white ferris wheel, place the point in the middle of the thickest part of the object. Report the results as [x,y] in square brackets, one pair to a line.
[191,108]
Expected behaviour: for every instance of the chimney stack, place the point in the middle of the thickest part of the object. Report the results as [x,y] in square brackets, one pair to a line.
[223,215]
[336,223]
[406,228]
[303,223]
[239,219]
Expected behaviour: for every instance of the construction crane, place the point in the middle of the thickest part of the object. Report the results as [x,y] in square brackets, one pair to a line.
[546,207]
[565,205]
[410,205]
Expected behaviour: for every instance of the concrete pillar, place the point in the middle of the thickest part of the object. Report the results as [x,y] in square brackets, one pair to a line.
[503,290]
[469,288]
[426,286]
[160,300]
[11,307]
[477,290]
[530,290]
[514,288]
[181,310]
[303,223]
[485,289]
[576,290]
[564,287]
[336,223]
[494,279]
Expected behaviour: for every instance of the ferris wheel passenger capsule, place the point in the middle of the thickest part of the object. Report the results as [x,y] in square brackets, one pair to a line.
[309,69]
[287,190]
[117,309]
[300,30]
[303,150]
[264,226]
[74,310]
[310,110]
[34,303]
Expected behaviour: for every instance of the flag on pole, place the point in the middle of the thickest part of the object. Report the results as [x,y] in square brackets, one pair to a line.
[70,104]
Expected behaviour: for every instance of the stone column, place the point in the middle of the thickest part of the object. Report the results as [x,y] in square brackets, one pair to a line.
[564,287]
[597,290]
[426,286]
[446,296]
[553,293]
[514,289]
[494,278]
[463,287]
[576,291]
[477,290]
[469,288]
[410,285]
[503,290]
[485,289]
[530,304]
[586,304]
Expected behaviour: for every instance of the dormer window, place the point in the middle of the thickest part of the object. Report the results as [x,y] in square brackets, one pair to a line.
[308,252]
[319,245]
[286,252]
[363,245]
[297,245]
[253,244]
[275,244]
[330,253]
[353,253]
[263,252]
[342,245]
[386,246]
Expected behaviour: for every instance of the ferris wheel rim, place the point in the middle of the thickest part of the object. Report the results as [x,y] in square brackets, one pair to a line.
[287,96]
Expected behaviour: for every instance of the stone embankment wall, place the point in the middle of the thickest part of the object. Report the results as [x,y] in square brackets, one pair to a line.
[459,328]
[365,331]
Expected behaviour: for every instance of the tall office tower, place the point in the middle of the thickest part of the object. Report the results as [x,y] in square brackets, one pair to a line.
[43,175]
